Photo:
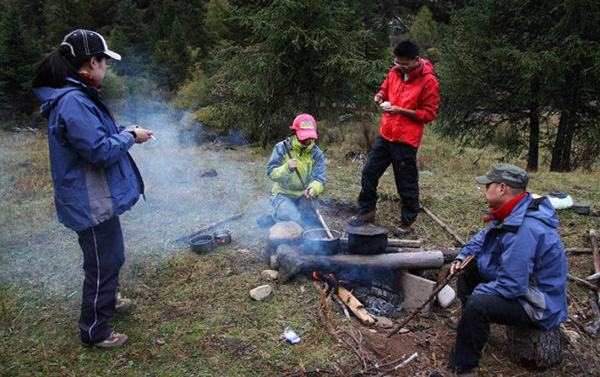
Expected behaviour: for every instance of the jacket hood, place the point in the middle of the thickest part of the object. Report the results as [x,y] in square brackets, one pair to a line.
[425,68]
[50,96]
[539,208]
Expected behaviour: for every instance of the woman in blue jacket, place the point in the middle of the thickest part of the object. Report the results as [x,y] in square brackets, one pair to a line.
[95,179]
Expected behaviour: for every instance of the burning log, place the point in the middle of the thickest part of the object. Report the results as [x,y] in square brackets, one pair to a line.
[355,306]
[345,297]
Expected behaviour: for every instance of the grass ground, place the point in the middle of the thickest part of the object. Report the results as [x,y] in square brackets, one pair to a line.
[192,313]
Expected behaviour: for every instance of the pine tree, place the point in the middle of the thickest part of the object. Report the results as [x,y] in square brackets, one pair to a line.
[18,55]
[424,29]
[180,56]
[492,79]
[293,56]
[214,22]
[576,88]
[130,38]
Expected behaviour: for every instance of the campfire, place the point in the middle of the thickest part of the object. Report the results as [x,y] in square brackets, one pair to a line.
[369,285]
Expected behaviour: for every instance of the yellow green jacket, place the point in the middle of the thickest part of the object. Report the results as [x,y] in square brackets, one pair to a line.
[311,165]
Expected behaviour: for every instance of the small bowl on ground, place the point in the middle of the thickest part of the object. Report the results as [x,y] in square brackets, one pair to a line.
[222,236]
[202,243]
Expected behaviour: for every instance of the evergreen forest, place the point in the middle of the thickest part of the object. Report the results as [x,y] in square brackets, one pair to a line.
[523,75]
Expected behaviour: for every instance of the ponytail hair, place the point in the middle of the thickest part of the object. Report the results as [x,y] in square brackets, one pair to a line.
[56,66]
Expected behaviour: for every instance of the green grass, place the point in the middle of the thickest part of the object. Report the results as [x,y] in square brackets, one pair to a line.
[193,314]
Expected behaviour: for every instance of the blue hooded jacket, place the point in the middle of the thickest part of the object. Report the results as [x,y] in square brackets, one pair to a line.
[94,177]
[523,259]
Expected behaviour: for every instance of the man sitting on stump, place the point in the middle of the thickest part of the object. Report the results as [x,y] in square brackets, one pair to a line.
[521,272]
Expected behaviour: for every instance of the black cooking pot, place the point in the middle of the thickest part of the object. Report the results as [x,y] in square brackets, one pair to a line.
[202,243]
[222,236]
[582,209]
[367,240]
[317,242]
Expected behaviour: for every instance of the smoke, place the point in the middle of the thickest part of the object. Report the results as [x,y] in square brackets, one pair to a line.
[179,199]
[189,185]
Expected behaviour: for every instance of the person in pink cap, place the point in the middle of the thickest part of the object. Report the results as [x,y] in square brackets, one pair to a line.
[291,196]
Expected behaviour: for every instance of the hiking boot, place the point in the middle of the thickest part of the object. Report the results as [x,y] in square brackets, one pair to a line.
[433,373]
[402,231]
[452,322]
[122,305]
[361,219]
[115,340]
[471,373]
[265,220]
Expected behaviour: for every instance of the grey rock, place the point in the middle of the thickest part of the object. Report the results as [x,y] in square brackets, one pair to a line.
[289,261]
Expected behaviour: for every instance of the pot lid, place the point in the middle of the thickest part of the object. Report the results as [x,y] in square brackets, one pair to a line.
[368,230]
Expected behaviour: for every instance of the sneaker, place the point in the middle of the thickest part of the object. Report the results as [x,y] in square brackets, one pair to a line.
[115,340]
[402,231]
[361,219]
[122,305]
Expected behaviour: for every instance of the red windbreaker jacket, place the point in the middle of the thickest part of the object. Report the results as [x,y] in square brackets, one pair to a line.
[420,92]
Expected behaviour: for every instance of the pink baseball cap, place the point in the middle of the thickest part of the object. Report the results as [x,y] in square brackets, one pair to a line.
[305,126]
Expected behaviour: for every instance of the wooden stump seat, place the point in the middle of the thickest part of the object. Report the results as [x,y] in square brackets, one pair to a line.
[533,347]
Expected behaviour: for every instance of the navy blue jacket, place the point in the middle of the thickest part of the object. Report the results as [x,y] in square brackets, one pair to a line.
[523,259]
[94,177]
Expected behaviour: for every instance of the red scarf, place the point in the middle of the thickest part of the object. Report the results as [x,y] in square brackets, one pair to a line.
[502,213]
[88,80]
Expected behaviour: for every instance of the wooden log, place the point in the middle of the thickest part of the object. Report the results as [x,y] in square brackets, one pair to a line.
[404,261]
[581,281]
[448,253]
[355,306]
[444,226]
[578,250]
[534,347]
[392,242]
[209,227]
[593,327]
[595,252]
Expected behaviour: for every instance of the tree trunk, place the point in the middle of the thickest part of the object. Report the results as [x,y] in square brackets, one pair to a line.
[561,153]
[559,144]
[532,347]
[534,139]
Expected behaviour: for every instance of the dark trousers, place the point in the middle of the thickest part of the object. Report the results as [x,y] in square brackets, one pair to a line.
[103,256]
[403,158]
[300,210]
[478,312]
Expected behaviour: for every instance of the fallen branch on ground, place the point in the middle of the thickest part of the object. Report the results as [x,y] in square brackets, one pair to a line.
[208,227]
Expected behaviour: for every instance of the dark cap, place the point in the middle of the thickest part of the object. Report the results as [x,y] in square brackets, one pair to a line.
[510,175]
[87,43]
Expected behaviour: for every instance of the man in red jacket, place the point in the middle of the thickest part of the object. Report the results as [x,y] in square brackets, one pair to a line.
[410,97]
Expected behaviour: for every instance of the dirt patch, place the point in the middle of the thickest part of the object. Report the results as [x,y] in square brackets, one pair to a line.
[433,339]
